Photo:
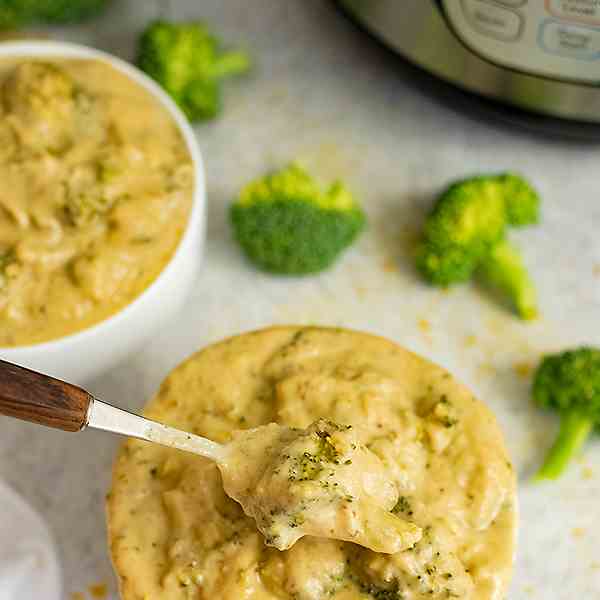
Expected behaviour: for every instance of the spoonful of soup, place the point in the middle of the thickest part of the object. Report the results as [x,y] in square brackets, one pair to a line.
[320,481]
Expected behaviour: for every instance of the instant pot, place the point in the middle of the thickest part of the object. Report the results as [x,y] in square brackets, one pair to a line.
[541,56]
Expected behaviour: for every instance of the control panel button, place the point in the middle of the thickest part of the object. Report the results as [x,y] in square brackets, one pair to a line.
[583,11]
[527,38]
[570,40]
[493,20]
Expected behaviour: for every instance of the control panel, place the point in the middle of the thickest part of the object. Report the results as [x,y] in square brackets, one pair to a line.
[554,38]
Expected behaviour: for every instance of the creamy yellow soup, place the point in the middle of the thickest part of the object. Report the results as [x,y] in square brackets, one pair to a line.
[96,190]
[321,481]
[175,534]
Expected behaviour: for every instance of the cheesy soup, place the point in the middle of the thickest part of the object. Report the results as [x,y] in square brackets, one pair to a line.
[176,535]
[96,190]
[320,481]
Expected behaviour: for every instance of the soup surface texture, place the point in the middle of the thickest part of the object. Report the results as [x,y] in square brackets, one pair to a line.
[175,534]
[319,481]
[96,190]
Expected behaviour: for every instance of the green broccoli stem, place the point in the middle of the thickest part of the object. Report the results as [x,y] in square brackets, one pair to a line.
[575,428]
[231,63]
[503,270]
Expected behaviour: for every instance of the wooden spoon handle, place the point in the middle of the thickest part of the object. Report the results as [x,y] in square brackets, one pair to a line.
[41,399]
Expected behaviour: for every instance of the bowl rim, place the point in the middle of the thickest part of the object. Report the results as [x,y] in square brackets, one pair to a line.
[197,216]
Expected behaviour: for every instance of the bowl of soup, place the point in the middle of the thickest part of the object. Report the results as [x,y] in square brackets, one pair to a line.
[174,533]
[102,208]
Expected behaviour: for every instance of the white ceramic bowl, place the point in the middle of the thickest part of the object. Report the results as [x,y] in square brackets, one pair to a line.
[84,355]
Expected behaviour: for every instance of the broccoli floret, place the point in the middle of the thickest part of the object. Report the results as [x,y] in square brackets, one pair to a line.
[69,11]
[466,231]
[503,270]
[17,13]
[188,62]
[569,383]
[467,220]
[287,224]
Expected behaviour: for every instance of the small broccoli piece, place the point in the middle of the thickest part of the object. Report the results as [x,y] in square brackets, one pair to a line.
[393,590]
[13,14]
[89,195]
[286,224]
[68,11]
[82,209]
[189,64]
[569,383]
[17,13]
[7,257]
[468,222]
[503,270]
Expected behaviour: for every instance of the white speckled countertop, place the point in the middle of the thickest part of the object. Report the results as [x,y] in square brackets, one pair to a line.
[327,94]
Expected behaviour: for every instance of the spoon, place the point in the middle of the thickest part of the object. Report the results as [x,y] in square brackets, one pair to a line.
[41,399]
[320,481]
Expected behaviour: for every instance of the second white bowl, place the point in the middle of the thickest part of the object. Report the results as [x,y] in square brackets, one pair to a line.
[86,354]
